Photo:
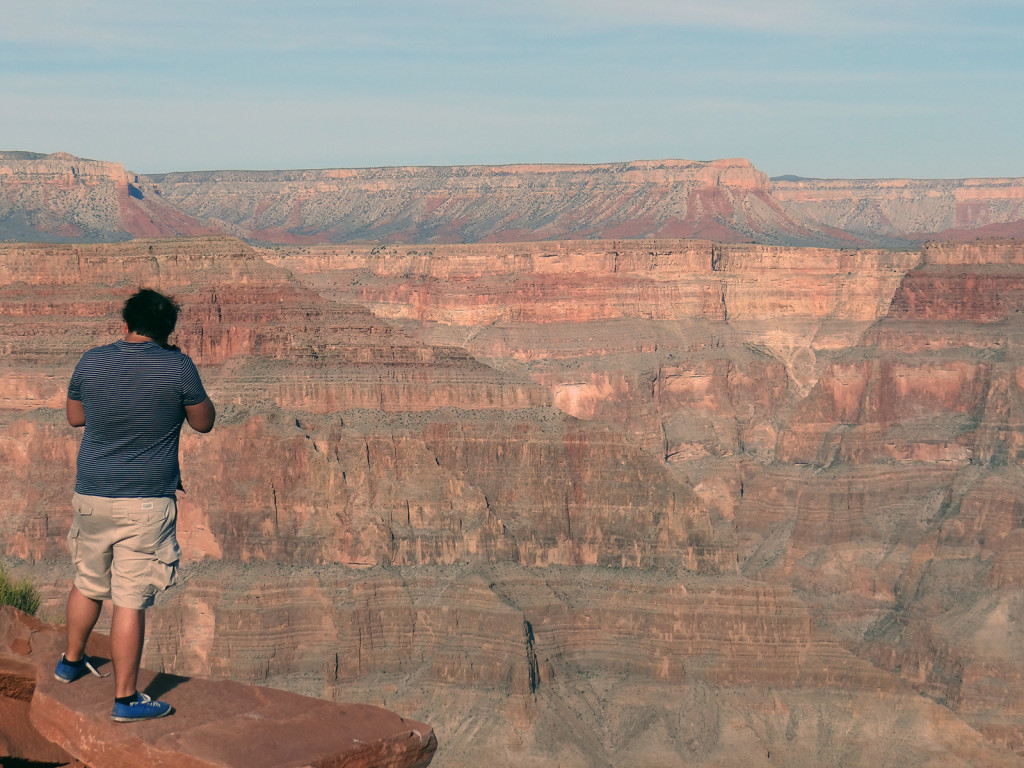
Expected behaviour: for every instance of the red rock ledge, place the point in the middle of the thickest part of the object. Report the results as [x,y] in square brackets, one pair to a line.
[216,722]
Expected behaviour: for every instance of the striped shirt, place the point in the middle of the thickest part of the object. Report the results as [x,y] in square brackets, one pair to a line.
[134,397]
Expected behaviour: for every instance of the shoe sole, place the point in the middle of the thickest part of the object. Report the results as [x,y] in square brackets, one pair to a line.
[139,719]
[88,670]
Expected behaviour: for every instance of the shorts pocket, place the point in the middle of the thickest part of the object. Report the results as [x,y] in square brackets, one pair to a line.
[80,505]
[168,552]
[73,543]
[165,571]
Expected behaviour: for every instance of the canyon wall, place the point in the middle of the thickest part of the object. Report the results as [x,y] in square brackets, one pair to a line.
[589,502]
[851,417]
[383,443]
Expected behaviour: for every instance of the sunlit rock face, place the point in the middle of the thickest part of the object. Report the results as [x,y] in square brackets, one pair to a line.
[726,199]
[647,497]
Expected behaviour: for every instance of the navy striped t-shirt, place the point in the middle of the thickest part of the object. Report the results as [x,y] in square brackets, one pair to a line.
[134,397]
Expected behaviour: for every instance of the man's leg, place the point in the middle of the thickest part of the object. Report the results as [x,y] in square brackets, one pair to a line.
[82,613]
[144,563]
[127,633]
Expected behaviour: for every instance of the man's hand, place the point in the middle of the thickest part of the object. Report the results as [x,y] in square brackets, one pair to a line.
[199,416]
[75,412]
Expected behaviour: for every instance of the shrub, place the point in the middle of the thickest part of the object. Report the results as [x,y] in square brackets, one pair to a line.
[20,595]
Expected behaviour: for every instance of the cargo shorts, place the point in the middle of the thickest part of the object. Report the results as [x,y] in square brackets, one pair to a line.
[124,550]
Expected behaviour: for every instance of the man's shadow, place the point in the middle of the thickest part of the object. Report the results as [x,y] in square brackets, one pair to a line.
[164,682]
[157,687]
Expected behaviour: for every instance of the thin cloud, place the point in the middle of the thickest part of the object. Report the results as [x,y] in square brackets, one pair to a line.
[800,17]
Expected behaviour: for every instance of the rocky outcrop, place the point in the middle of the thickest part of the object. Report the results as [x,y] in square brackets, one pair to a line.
[215,724]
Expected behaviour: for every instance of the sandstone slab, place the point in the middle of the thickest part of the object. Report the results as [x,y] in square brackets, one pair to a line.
[215,722]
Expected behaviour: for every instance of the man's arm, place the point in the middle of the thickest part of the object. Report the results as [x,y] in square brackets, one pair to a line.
[199,416]
[75,412]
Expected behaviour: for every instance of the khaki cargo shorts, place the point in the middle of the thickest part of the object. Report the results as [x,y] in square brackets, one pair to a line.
[124,550]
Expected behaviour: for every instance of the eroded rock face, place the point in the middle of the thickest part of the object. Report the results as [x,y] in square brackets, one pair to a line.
[386,450]
[61,198]
[584,666]
[636,498]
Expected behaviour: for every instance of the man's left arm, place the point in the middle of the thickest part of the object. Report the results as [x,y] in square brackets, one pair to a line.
[201,415]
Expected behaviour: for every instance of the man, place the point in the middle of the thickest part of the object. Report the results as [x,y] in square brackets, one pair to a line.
[132,397]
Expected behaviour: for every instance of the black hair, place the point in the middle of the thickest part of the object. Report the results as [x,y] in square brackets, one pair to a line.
[151,314]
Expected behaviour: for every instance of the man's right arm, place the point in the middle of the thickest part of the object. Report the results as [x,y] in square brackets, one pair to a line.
[201,415]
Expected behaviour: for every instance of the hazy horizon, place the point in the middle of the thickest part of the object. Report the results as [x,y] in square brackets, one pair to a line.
[873,89]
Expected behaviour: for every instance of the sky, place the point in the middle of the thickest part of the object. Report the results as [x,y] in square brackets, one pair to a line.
[818,88]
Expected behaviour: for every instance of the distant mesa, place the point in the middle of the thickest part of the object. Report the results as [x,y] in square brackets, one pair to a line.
[62,198]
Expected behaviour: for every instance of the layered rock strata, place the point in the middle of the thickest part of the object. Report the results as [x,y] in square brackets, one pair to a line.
[386,450]
[583,666]
[722,199]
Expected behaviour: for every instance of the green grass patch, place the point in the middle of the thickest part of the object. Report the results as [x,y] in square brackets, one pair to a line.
[20,594]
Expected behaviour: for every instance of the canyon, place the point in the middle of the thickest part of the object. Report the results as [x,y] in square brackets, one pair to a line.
[62,198]
[578,502]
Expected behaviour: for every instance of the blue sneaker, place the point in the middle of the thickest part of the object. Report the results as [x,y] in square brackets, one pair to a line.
[143,708]
[67,672]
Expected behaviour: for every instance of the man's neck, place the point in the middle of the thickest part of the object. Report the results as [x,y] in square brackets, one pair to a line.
[135,338]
